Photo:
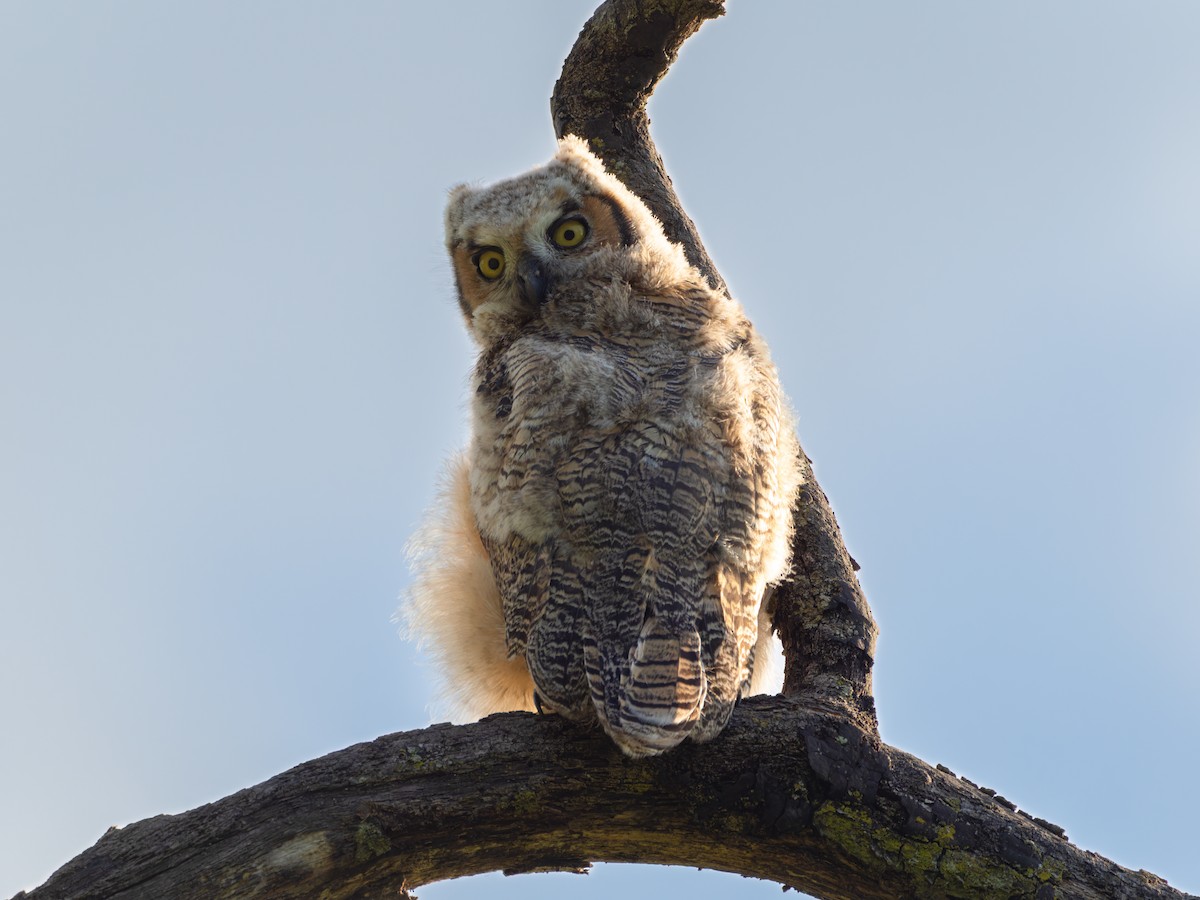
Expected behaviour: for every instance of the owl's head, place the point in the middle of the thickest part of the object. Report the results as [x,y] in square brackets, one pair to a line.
[515,244]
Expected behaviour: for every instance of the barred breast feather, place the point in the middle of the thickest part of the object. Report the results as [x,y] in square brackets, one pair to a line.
[625,499]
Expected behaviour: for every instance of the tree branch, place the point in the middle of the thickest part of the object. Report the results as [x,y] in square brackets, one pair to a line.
[621,54]
[798,789]
[789,794]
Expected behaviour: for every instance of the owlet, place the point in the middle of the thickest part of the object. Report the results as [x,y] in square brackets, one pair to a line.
[602,548]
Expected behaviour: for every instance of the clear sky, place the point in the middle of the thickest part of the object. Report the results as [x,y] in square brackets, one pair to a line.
[231,364]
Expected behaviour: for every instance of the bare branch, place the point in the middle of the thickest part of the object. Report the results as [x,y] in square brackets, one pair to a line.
[788,794]
[822,616]
[621,54]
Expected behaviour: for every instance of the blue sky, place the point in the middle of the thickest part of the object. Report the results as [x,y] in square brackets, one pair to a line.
[231,364]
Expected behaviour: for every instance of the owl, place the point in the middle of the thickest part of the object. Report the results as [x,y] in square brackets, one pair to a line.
[603,547]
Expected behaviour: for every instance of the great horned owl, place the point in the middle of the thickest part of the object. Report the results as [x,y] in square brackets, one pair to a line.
[602,549]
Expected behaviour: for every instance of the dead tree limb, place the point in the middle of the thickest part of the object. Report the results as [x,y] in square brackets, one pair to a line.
[798,790]
[789,794]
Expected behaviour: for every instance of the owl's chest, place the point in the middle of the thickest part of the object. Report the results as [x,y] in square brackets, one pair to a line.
[555,385]
[538,401]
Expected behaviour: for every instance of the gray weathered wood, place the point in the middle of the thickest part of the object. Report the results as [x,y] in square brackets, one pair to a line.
[796,796]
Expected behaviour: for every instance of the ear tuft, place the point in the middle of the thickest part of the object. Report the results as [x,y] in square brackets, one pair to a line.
[454,207]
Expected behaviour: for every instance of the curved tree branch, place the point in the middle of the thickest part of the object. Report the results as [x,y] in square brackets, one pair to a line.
[789,794]
[621,54]
[798,789]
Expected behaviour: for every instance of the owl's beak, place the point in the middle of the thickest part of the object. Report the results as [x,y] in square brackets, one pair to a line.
[531,281]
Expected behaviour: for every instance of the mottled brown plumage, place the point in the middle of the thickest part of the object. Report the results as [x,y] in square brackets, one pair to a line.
[630,475]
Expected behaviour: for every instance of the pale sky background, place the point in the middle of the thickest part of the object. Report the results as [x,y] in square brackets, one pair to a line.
[231,364]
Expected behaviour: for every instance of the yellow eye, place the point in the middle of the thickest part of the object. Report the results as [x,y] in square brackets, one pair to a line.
[569,232]
[490,263]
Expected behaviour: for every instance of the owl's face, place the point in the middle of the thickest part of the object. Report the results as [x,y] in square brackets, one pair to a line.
[512,244]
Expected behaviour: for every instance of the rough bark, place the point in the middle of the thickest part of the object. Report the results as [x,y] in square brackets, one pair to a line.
[821,614]
[621,54]
[798,789]
[801,797]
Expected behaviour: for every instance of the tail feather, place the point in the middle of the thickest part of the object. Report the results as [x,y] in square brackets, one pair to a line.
[651,700]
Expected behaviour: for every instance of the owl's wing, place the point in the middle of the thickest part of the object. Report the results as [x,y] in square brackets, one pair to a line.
[543,623]
[522,574]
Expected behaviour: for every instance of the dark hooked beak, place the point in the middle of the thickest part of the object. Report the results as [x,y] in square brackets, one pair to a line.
[531,281]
